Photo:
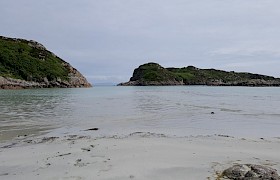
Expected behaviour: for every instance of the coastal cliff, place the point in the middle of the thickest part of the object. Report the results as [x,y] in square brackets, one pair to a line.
[28,64]
[152,74]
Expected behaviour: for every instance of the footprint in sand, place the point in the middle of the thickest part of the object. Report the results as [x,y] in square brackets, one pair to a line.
[88,148]
[79,163]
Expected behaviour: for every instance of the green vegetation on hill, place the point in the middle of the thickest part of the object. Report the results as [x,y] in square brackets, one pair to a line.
[193,75]
[154,74]
[28,60]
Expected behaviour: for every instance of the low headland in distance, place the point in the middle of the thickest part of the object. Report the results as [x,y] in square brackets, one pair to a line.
[28,64]
[153,74]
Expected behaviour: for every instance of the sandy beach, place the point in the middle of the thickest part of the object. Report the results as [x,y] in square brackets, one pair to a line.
[135,156]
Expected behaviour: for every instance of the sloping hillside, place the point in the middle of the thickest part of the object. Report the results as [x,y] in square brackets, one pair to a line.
[28,64]
[154,74]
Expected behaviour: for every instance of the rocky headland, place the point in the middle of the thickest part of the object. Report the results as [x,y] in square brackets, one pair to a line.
[153,74]
[28,64]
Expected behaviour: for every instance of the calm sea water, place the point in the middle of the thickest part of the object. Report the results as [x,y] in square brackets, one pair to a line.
[180,111]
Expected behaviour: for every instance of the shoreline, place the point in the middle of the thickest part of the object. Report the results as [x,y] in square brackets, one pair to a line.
[139,155]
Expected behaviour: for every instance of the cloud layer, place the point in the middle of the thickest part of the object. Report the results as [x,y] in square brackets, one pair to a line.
[106,40]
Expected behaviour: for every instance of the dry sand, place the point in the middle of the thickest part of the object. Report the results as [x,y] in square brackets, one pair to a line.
[136,156]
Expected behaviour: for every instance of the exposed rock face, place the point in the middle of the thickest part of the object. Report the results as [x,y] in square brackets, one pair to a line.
[250,82]
[152,74]
[76,79]
[36,45]
[28,64]
[10,83]
[251,172]
[152,83]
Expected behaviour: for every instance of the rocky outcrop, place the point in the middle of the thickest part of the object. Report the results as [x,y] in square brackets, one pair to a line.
[250,172]
[10,83]
[28,64]
[152,83]
[35,44]
[152,74]
[76,81]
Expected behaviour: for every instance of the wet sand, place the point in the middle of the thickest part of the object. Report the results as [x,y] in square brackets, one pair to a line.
[135,156]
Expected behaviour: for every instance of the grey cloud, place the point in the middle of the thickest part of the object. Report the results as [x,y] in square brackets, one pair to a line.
[109,38]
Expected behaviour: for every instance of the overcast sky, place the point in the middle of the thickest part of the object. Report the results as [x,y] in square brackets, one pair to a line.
[106,39]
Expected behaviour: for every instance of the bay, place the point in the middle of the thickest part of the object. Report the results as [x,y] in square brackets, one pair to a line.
[170,110]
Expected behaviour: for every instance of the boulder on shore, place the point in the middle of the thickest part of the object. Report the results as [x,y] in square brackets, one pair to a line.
[250,172]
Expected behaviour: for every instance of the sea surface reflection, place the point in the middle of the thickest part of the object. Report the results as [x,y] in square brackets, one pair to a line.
[180,111]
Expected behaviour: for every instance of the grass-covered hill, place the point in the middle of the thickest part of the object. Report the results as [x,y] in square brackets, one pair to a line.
[30,61]
[154,74]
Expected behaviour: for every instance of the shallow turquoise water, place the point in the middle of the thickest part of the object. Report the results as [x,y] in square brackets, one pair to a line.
[180,110]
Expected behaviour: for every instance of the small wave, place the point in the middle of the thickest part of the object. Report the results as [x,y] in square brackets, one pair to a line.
[230,110]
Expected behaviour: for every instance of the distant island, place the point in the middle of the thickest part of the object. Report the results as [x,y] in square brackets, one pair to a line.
[28,64]
[153,74]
